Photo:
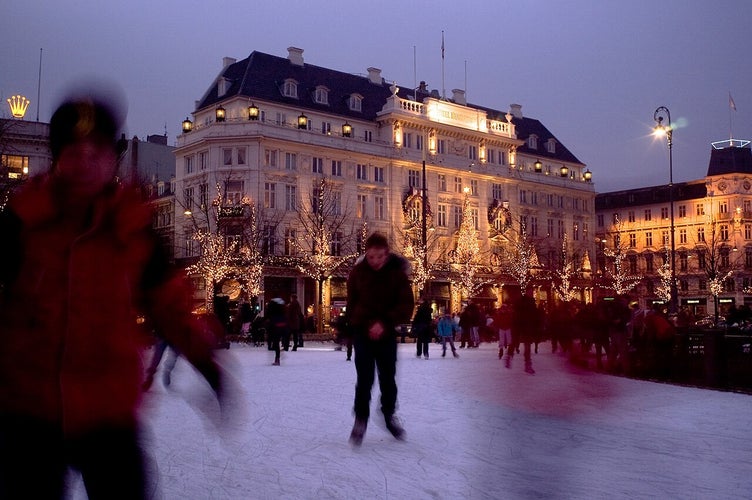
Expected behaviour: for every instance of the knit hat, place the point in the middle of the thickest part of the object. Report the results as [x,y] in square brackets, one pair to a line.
[83,117]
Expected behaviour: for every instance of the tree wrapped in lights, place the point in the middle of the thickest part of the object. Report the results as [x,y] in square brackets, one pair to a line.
[621,281]
[466,271]
[215,263]
[320,249]
[415,245]
[714,260]
[663,290]
[521,259]
[563,276]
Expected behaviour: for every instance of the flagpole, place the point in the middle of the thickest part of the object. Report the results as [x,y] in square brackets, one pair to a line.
[732,107]
[443,87]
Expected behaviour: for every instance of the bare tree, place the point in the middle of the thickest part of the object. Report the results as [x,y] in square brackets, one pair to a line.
[326,244]
[620,280]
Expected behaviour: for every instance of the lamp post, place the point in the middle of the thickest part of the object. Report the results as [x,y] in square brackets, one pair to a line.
[660,130]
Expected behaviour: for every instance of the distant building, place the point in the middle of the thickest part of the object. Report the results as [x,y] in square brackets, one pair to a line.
[24,151]
[268,128]
[712,232]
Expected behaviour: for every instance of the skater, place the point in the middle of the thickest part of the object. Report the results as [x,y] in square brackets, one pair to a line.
[525,324]
[422,329]
[295,321]
[161,350]
[446,329]
[78,263]
[503,322]
[276,326]
[379,298]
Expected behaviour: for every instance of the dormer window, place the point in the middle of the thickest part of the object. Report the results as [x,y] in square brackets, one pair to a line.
[321,95]
[551,146]
[532,141]
[355,102]
[290,88]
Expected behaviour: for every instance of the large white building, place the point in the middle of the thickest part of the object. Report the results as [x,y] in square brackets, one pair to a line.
[269,128]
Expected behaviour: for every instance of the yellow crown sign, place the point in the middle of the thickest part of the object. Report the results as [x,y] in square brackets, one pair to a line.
[18,105]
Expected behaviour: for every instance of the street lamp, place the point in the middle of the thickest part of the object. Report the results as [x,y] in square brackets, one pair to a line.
[666,130]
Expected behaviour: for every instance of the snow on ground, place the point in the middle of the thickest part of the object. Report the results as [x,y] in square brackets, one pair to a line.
[474,430]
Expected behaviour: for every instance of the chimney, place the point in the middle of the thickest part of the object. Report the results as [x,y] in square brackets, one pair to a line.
[515,110]
[374,76]
[458,95]
[226,61]
[295,56]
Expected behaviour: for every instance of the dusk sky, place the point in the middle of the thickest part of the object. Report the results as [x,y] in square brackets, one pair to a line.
[592,71]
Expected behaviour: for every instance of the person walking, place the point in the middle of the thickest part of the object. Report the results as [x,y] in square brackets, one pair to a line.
[422,328]
[276,326]
[445,329]
[503,322]
[379,298]
[295,321]
[78,264]
[525,326]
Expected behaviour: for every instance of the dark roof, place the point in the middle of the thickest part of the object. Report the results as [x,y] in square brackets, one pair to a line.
[261,76]
[683,191]
[730,160]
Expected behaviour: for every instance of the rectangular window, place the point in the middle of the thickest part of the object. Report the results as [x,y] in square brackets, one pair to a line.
[317,165]
[549,227]
[456,216]
[368,136]
[600,220]
[233,192]
[441,219]
[533,226]
[631,216]
[576,232]
[270,195]
[336,246]
[649,239]
[724,232]
[682,236]
[472,152]
[560,227]
[361,171]
[523,196]
[407,139]
[241,156]
[664,238]
[290,238]
[632,240]
[188,198]
[227,156]
[413,178]
[188,165]
[700,235]
[203,160]
[419,142]
[203,195]
[291,197]
[682,210]
[700,209]
[336,168]
[458,184]
[648,214]
[497,193]
[474,187]
[442,182]
[491,153]
[683,262]
[378,174]
[723,207]
[664,213]
[378,207]
[326,128]
[270,157]
[361,206]
[747,231]
[267,239]
[291,161]
[649,263]
[441,146]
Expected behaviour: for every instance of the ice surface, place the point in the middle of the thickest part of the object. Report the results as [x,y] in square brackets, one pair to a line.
[474,430]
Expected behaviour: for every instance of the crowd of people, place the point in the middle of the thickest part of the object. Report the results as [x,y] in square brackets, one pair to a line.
[615,333]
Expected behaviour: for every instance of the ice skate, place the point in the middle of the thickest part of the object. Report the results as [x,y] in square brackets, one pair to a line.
[358,431]
[395,428]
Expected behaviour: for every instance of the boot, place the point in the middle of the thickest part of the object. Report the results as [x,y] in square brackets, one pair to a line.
[501,353]
[529,368]
[276,362]
[394,427]
[508,361]
[454,353]
[358,431]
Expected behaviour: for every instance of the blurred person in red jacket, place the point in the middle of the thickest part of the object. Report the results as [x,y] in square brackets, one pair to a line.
[79,262]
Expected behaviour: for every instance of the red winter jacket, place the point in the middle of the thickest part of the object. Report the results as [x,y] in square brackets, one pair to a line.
[70,346]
